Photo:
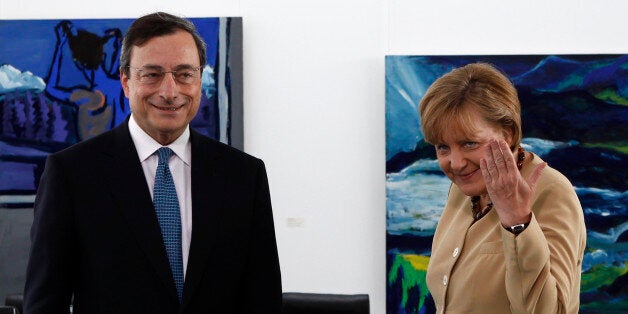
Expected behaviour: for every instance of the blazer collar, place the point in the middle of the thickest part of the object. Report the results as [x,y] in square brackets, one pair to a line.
[130,191]
[129,188]
[208,184]
[146,145]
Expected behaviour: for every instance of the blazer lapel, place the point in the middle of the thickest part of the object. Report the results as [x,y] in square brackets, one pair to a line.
[207,191]
[129,189]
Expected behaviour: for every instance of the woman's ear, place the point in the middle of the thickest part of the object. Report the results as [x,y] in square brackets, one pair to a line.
[508,136]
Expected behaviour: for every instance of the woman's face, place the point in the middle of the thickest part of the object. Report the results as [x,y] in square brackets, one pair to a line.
[459,154]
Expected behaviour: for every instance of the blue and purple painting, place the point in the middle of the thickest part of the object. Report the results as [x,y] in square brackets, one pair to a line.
[575,117]
[59,84]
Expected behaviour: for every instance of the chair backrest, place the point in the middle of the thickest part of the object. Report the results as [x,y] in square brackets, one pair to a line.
[313,303]
[8,310]
[15,300]
[15,243]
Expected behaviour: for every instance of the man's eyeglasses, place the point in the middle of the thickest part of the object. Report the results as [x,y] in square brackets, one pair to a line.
[154,75]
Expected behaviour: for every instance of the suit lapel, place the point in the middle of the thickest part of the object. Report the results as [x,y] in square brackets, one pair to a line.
[207,191]
[129,189]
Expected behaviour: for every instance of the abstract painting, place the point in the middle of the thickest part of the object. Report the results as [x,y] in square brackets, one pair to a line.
[59,84]
[575,117]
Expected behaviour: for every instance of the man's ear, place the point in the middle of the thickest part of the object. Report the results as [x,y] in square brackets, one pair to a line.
[124,81]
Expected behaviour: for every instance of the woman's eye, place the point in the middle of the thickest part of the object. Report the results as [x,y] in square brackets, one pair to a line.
[470,144]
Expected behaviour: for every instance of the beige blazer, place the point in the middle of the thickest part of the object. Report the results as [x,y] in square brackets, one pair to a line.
[483,268]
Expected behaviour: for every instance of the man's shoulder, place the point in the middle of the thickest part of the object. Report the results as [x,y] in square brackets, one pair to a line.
[90,146]
[219,149]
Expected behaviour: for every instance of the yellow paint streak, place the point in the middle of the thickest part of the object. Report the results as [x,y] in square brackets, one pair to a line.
[418,262]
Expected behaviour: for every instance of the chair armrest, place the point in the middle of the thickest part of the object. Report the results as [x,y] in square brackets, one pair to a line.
[311,303]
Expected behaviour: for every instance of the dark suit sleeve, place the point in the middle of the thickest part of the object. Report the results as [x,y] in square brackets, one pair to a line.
[48,286]
[263,294]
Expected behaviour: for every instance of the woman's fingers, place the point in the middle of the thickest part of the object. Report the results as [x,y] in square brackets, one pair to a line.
[489,164]
[509,158]
[485,173]
[536,173]
[498,156]
[499,160]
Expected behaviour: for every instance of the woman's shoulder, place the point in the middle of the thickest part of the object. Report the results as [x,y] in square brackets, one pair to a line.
[554,194]
[550,177]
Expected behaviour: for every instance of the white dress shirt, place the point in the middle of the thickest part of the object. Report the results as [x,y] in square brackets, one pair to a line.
[180,167]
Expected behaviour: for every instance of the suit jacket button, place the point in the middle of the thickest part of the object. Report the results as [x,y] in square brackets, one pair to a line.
[456,251]
[445,280]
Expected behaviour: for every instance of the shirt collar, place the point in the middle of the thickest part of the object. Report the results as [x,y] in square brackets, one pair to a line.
[146,145]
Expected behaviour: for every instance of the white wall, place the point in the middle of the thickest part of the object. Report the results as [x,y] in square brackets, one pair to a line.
[314,101]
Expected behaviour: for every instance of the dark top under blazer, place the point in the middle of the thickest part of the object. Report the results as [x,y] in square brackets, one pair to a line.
[96,236]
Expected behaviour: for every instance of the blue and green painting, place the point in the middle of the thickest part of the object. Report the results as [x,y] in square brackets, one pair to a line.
[60,84]
[575,117]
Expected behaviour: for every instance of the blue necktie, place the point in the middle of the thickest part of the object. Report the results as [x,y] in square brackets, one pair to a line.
[167,208]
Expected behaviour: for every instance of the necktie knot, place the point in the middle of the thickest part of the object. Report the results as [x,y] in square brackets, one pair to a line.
[164,154]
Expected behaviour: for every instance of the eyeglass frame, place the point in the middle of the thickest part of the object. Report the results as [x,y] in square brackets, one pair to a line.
[163,73]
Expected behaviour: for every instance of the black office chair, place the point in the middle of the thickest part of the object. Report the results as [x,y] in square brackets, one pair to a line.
[8,310]
[13,301]
[312,303]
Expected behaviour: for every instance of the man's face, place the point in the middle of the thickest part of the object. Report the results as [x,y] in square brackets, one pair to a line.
[163,107]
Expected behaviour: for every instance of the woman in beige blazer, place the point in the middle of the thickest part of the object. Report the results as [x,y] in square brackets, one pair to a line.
[512,235]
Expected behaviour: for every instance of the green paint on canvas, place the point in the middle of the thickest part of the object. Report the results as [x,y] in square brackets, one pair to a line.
[610,95]
[621,147]
[414,268]
[601,275]
[612,306]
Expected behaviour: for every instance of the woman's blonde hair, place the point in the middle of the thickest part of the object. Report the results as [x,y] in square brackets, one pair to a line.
[475,87]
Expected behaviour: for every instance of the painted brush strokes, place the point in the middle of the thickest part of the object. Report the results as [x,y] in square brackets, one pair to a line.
[59,84]
[575,116]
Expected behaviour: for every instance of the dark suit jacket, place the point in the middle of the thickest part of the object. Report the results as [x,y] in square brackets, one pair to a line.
[95,234]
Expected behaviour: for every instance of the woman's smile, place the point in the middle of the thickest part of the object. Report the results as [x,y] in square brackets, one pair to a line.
[467,176]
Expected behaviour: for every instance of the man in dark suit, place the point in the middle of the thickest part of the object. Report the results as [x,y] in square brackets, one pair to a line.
[103,238]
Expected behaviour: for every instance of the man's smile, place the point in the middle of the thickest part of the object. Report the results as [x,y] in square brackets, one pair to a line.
[169,108]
